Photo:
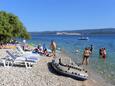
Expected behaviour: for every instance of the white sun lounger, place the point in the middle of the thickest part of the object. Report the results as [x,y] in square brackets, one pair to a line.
[27,61]
[27,53]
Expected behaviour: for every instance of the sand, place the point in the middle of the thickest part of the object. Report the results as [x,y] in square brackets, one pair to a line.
[41,74]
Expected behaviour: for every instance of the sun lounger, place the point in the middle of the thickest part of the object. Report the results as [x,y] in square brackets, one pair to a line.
[27,53]
[5,62]
[27,61]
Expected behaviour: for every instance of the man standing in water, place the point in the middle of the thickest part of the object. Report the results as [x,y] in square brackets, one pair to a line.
[53,47]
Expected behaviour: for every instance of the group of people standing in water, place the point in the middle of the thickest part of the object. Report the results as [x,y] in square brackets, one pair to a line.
[87,52]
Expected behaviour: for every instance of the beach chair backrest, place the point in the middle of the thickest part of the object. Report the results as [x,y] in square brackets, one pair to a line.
[20,49]
[13,57]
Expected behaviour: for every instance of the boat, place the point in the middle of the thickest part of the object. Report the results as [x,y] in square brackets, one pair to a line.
[75,72]
[83,38]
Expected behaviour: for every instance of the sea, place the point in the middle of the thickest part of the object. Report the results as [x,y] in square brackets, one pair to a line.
[75,47]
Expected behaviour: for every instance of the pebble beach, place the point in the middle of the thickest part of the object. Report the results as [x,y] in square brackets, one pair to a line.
[41,74]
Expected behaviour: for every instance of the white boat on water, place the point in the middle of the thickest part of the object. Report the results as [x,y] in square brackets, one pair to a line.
[83,38]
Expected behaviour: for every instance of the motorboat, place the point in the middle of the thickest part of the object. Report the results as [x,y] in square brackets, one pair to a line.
[83,38]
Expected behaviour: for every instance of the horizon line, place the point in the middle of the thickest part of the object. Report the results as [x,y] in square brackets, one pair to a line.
[72,30]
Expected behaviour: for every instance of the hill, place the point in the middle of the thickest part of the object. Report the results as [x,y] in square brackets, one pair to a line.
[105,31]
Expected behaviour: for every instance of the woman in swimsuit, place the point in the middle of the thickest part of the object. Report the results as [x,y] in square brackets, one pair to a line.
[86,55]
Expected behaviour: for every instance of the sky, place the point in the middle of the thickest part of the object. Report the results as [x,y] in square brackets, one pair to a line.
[58,15]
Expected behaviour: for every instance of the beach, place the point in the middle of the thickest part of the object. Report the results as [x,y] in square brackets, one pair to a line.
[41,75]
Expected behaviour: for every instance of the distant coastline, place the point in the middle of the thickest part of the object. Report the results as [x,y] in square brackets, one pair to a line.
[105,31]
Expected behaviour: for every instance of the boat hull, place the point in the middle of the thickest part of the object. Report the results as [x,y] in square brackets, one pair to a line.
[70,71]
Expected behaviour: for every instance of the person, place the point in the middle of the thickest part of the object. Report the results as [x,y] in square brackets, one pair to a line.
[46,53]
[53,47]
[91,48]
[86,55]
[104,54]
[101,52]
[44,47]
[38,49]
[23,43]
[1,45]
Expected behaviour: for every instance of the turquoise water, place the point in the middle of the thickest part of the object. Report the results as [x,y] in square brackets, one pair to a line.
[71,43]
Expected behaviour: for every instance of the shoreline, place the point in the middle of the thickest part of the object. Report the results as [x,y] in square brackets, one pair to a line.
[94,78]
[40,75]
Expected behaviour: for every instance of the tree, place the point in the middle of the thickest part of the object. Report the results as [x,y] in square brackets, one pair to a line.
[11,27]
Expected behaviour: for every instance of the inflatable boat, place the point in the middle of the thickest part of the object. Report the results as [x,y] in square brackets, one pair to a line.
[75,72]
